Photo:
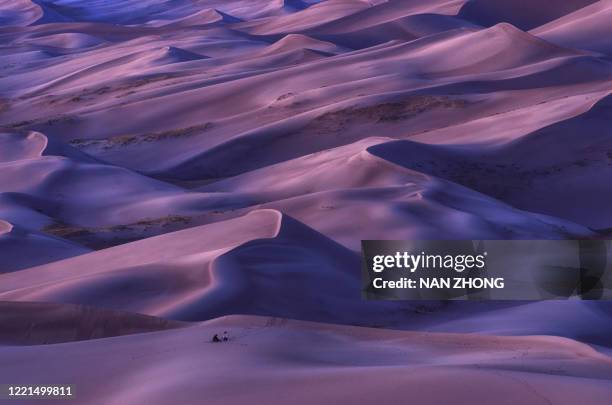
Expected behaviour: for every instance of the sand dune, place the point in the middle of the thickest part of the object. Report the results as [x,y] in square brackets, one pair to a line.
[188,160]
[273,360]
[584,321]
[68,40]
[586,28]
[18,146]
[39,173]
[296,41]
[523,14]
[103,11]
[19,12]
[346,180]
[389,21]
[422,57]
[201,279]
[554,176]
[273,102]
[204,17]
[16,245]
[296,22]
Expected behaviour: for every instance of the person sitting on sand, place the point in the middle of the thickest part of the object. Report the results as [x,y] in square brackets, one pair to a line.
[216,339]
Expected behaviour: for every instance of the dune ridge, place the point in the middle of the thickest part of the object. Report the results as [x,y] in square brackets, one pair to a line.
[170,170]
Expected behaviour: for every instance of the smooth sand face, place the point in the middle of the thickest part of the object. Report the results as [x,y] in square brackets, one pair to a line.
[271,360]
[163,162]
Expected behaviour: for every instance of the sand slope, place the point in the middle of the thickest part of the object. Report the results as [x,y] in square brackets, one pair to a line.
[39,323]
[17,245]
[548,181]
[194,275]
[274,360]
[586,28]
[523,14]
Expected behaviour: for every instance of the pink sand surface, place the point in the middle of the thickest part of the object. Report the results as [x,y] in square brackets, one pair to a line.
[275,361]
[172,169]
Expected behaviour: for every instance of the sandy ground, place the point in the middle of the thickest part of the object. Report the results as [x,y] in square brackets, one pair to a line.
[273,361]
[167,163]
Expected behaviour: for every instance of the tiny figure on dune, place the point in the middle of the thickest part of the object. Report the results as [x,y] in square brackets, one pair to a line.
[217,339]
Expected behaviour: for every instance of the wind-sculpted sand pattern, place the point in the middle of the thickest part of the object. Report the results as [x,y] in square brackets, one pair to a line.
[173,169]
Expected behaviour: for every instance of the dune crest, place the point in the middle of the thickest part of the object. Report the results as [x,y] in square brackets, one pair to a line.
[524,15]
[5,227]
[20,12]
